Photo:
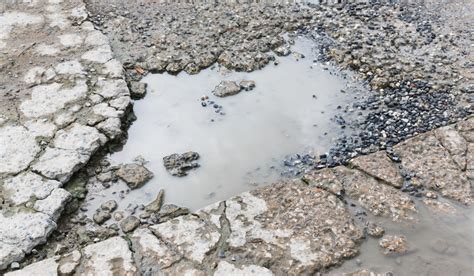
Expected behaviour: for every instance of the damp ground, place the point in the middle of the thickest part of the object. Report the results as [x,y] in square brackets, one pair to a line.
[244,139]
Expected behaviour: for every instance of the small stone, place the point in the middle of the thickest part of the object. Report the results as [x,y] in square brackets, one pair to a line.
[15,265]
[144,215]
[155,205]
[394,245]
[374,230]
[226,88]
[105,177]
[170,211]
[179,164]
[118,216]
[134,175]
[431,195]
[138,89]
[129,224]
[101,216]
[298,56]
[109,206]
[282,51]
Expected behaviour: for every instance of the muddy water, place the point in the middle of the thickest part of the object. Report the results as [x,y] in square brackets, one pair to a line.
[439,244]
[290,111]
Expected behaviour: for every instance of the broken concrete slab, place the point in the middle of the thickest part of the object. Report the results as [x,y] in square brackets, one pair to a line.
[108,257]
[54,204]
[48,267]
[82,139]
[292,223]
[433,167]
[20,233]
[17,149]
[380,166]
[190,235]
[376,197]
[25,186]
[44,134]
[59,164]
[224,268]
[152,254]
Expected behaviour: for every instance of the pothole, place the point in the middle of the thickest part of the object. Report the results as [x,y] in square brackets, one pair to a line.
[244,141]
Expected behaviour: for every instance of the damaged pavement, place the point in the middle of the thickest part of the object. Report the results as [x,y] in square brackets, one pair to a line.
[294,227]
[65,98]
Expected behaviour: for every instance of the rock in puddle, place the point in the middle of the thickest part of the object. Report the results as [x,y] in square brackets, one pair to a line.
[138,89]
[109,206]
[374,230]
[393,245]
[101,216]
[129,224]
[179,164]
[226,88]
[169,211]
[135,175]
[282,50]
[118,216]
[155,205]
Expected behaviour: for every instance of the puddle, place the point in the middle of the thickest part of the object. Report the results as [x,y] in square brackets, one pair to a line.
[439,244]
[291,110]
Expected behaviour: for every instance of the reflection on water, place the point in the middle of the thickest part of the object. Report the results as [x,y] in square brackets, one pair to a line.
[291,110]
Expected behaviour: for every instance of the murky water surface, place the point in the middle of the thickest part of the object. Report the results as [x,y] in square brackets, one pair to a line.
[290,111]
[438,244]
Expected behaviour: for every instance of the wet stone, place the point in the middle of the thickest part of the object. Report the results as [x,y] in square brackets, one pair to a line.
[282,51]
[129,224]
[101,216]
[227,88]
[155,205]
[138,89]
[393,245]
[109,206]
[374,230]
[134,175]
[179,164]
[169,211]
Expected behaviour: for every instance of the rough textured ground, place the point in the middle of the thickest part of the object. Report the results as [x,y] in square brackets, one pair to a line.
[63,95]
[298,227]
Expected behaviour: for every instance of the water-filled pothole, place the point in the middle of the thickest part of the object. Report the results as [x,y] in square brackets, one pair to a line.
[243,142]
